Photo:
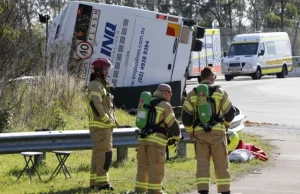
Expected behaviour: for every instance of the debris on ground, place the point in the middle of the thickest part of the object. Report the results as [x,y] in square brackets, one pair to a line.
[254,123]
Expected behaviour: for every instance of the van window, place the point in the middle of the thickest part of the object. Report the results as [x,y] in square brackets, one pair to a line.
[243,49]
[271,48]
[282,46]
[262,46]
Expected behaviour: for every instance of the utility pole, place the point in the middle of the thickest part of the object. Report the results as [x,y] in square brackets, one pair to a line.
[44,19]
[295,39]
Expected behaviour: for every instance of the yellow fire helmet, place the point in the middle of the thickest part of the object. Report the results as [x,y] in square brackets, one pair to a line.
[233,140]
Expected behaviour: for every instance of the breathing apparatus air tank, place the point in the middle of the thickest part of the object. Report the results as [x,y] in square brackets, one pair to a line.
[203,103]
[143,110]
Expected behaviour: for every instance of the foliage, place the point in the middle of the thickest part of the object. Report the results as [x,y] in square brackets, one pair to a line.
[20,55]
[6,116]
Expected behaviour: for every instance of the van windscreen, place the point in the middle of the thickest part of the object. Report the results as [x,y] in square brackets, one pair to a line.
[243,49]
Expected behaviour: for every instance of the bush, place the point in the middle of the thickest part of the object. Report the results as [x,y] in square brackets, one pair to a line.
[6,116]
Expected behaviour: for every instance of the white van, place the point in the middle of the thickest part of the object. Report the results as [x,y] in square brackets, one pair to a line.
[258,54]
[146,48]
[210,55]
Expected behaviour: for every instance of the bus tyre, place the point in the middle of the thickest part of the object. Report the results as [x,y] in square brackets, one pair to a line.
[283,72]
[256,74]
[228,77]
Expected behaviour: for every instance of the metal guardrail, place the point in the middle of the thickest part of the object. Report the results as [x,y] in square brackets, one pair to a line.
[47,141]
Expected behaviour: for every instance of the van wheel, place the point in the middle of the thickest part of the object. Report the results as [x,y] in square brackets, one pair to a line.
[256,74]
[228,77]
[199,79]
[283,73]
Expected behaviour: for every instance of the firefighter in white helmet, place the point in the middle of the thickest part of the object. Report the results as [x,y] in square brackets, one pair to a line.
[101,124]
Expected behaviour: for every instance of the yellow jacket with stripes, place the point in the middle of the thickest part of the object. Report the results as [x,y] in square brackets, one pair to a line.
[164,111]
[222,103]
[100,106]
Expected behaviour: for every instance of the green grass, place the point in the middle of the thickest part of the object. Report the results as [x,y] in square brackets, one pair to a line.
[179,176]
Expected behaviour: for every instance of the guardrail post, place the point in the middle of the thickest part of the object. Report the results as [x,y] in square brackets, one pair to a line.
[181,149]
[122,153]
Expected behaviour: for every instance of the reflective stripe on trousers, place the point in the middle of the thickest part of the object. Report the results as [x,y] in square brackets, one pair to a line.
[101,156]
[212,144]
[151,168]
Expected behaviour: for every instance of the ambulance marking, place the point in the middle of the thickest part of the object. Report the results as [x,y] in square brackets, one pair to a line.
[279,61]
[212,31]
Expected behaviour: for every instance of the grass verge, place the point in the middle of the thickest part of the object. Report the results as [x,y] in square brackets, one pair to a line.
[179,178]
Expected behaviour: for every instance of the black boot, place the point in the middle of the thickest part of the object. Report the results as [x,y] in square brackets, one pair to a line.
[228,192]
[203,191]
[105,187]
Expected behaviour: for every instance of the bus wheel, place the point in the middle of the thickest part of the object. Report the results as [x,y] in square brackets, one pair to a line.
[283,72]
[257,74]
[228,77]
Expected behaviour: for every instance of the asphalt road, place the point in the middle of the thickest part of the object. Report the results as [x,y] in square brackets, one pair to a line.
[270,99]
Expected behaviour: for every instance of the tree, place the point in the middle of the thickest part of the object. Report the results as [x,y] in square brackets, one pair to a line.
[20,46]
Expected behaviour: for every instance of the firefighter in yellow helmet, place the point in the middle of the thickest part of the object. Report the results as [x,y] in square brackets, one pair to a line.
[101,124]
[209,138]
[233,140]
[152,145]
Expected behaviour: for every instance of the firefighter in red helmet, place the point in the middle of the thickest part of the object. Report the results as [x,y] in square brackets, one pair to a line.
[101,124]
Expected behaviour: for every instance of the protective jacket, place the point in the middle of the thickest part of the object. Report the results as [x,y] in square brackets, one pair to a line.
[100,106]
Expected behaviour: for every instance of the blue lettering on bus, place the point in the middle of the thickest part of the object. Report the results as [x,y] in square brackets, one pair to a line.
[109,34]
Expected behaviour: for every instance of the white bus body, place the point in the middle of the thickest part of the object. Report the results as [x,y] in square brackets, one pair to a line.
[146,48]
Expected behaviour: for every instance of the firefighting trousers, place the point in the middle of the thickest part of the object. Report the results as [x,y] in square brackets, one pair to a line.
[150,169]
[101,156]
[212,144]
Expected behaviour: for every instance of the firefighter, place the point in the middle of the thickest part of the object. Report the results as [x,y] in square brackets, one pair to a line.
[209,138]
[101,124]
[152,146]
